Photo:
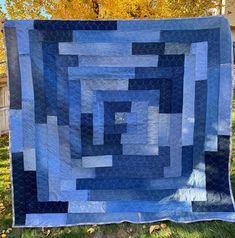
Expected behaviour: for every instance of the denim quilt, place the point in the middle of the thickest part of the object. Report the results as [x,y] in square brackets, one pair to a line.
[120,120]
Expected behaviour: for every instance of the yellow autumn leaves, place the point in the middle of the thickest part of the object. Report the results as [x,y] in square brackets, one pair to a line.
[126,9]
[160,229]
[4,233]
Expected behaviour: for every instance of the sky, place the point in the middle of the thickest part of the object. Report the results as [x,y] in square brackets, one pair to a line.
[2,5]
[4,9]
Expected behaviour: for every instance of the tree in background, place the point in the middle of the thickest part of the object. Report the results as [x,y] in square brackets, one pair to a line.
[2,53]
[25,9]
[126,9]
[102,9]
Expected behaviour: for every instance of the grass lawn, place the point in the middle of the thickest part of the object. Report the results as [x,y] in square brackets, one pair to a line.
[211,229]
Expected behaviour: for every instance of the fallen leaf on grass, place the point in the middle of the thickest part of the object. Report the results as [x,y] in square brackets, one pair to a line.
[9,230]
[129,230]
[48,232]
[163,225]
[168,234]
[91,230]
[154,228]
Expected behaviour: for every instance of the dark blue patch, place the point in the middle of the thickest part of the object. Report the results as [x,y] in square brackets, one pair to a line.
[13,67]
[217,180]
[112,139]
[50,50]
[184,36]
[187,160]
[153,72]
[165,87]
[134,172]
[212,36]
[111,183]
[200,107]
[88,149]
[110,108]
[133,166]
[213,47]
[96,150]
[75,25]
[152,48]
[170,60]
[36,56]
[19,188]
[57,35]
[32,205]
[62,64]
[86,129]
[169,79]
[130,195]
[75,142]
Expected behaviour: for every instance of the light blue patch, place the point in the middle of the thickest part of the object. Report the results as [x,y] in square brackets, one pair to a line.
[225,42]
[47,219]
[118,61]
[26,78]
[177,49]
[168,24]
[189,100]
[88,88]
[28,123]
[141,149]
[200,50]
[164,129]
[150,96]
[98,124]
[53,158]
[211,141]
[16,128]
[88,218]
[68,185]
[109,49]
[97,161]
[75,73]
[74,103]
[225,97]
[175,168]
[116,36]
[41,162]
[87,207]
[120,117]
[81,195]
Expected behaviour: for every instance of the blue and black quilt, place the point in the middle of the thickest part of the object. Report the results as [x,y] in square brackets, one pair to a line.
[119,120]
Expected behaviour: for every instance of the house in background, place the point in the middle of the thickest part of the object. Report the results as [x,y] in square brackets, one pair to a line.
[3,105]
[229,12]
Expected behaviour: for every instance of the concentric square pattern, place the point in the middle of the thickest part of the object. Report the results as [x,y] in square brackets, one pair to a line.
[120,120]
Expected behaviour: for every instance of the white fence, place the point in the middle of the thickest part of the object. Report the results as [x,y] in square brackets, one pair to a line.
[4,120]
[4,126]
